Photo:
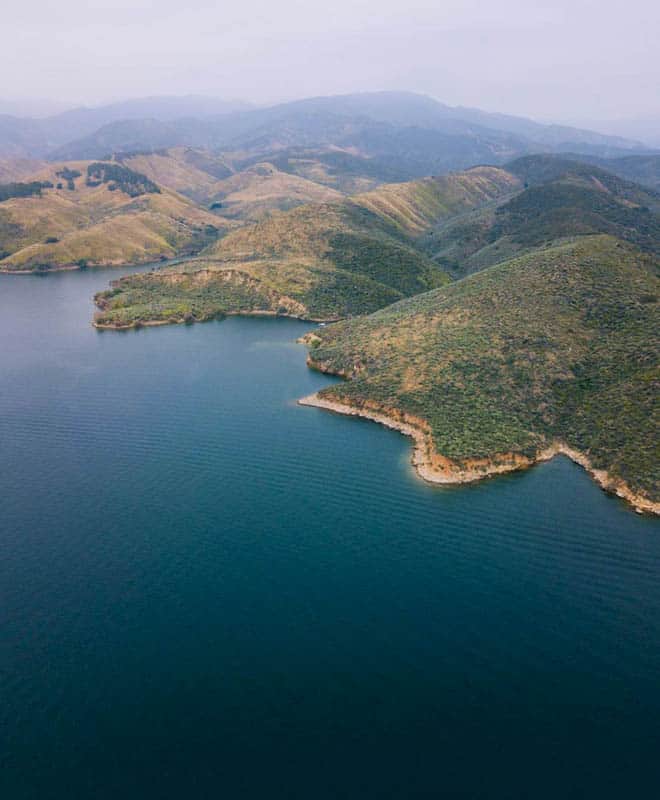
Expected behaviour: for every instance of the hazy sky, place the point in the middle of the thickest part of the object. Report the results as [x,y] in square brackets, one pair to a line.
[562,59]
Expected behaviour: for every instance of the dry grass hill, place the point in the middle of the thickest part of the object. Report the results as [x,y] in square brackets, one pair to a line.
[78,219]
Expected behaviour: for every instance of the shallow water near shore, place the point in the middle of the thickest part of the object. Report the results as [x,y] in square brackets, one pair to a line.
[209,591]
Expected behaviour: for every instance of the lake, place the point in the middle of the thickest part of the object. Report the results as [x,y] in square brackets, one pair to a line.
[208,591]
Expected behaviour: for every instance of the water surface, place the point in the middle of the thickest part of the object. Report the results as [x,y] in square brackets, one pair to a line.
[207,591]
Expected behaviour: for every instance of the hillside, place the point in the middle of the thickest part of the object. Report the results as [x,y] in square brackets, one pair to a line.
[18,169]
[247,193]
[89,214]
[642,169]
[318,261]
[255,192]
[562,198]
[555,349]
[338,168]
[183,169]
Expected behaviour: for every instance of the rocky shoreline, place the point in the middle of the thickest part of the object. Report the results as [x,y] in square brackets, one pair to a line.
[436,469]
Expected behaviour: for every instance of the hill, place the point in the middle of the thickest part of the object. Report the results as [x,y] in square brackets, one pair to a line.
[18,169]
[556,350]
[191,172]
[319,261]
[562,198]
[249,194]
[95,213]
[642,169]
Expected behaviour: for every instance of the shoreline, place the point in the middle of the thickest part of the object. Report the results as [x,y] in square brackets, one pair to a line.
[75,267]
[436,469]
[64,268]
[219,315]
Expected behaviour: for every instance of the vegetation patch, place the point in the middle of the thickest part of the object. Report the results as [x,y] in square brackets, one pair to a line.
[119,177]
[10,190]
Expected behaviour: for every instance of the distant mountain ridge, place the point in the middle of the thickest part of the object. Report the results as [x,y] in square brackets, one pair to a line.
[40,136]
[414,133]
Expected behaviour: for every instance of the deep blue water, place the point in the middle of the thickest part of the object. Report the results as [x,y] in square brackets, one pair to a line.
[207,591]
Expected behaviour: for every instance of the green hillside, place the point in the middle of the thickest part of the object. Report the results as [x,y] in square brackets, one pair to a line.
[561,199]
[561,345]
[327,261]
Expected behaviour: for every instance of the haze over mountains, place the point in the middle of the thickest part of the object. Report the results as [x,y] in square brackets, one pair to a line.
[413,128]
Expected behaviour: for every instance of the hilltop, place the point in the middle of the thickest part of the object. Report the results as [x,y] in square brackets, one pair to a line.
[551,351]
[319,261]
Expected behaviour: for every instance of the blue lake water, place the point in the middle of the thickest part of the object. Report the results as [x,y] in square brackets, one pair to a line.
[207,591]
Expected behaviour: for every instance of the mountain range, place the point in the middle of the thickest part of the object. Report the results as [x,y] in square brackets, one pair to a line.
[416,134]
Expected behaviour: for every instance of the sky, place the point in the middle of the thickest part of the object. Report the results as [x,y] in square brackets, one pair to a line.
[549,59]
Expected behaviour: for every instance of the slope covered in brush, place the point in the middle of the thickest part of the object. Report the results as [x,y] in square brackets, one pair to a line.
[328,260]
[558,345]
[561,199]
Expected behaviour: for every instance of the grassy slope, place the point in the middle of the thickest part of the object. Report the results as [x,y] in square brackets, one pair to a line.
[560,344]
[97,226]
[255,192]
[249,194]
[330,260]
[18,169]
[179,170]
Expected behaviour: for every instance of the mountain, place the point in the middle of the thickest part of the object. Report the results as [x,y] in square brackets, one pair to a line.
[88,214]
[136,135]
[553,351]
[163,107]
[644,128]
[414,134]
[557,137]
[22,138]
[37,137]
[319,261]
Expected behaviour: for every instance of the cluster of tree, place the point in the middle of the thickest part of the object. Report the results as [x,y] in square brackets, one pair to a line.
[69,175]
[9,190]
[119,177]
